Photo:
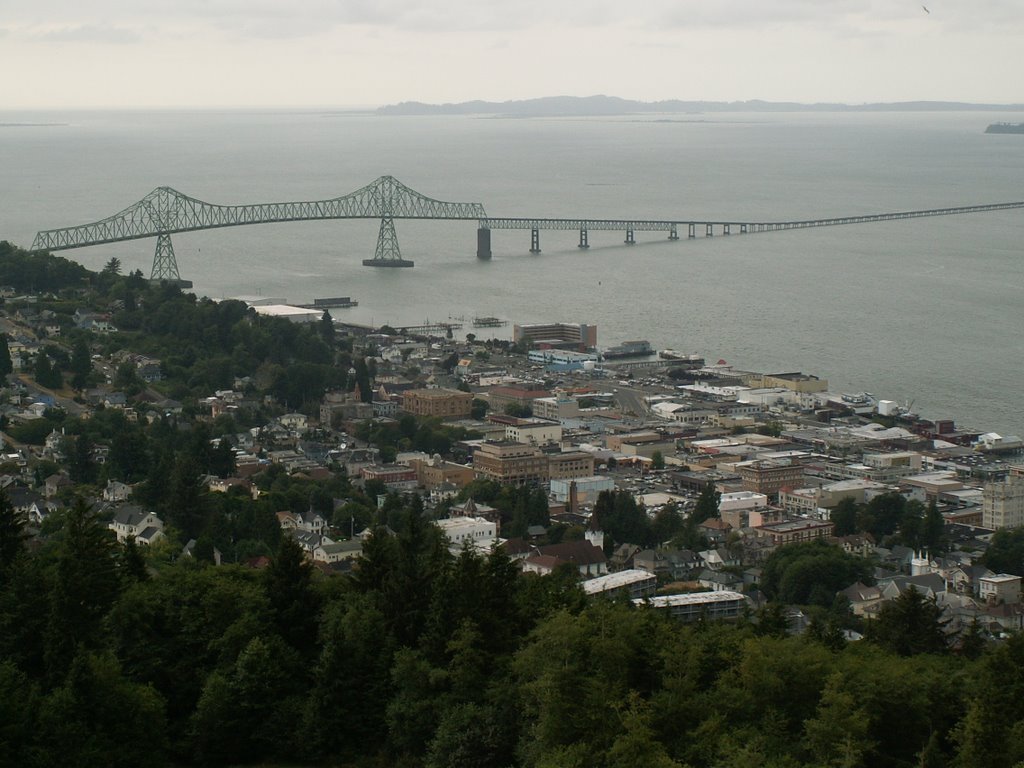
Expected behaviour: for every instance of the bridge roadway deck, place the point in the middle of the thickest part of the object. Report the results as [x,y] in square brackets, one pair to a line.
[641,225]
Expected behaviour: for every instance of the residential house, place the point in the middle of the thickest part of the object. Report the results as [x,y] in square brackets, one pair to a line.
[131,520]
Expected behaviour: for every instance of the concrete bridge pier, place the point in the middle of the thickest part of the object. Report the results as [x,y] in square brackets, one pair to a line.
[673,233]
[725,229]
[743,229]
[584,238]
[692,233]
[483,244]
[709,230]
[534,240]
[630,239]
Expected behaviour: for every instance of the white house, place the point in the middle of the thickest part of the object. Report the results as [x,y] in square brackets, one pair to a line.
[130,520]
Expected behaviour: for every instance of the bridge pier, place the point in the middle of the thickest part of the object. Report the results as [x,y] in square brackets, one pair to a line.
[725,229]
[483,243]
[165,266]
[692,230]
[743,229]
[630,239]
[673,233]
[709,230]
[388,254]
[534,240]
[584,239]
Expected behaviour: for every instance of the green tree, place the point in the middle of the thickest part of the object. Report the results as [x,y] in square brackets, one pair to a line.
[6,364]
[12,535]
[839,733]
[844,516]
[99,718]
[351,681]
[327,327]
[657,460]
[45,374]
[81,365]
[245,713]
[706,507]
[933,530]
[86,586]
[909,624]
[811,573]
[295,604]
[112,267]
[1005,553]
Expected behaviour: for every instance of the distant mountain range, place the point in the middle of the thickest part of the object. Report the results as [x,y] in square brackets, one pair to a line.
[567,106]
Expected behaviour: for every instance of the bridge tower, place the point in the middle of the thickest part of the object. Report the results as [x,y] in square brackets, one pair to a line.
[388,254]
[165,266]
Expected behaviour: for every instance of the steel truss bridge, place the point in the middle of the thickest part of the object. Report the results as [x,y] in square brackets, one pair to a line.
[165,211]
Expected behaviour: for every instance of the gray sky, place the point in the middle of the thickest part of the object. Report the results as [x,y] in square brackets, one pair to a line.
[165,53]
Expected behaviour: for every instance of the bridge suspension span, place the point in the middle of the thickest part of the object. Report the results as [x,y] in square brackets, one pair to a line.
[165,211]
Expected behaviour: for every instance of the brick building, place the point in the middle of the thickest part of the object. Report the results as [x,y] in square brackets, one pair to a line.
[445,403]
[509,462]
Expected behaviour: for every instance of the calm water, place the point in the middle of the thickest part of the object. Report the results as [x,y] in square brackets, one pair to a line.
[926,310]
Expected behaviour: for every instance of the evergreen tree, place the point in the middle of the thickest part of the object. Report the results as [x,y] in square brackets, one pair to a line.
[6,364]
[327,327]
[12,534]
[933,530]
[908,625]
[707,504]
[46,375]
[295,604]
[844,517]
[81,365]
[87,584]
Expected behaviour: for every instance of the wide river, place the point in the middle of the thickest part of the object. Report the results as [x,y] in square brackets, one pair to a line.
[927,312]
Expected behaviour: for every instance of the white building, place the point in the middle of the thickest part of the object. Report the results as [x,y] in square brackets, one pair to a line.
[1002,504]
[1000,588]
[636,583]
[146,527]
[475,532]
[534,431]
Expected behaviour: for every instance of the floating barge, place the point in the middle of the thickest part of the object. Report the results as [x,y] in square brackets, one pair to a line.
[489,322]
[339,302]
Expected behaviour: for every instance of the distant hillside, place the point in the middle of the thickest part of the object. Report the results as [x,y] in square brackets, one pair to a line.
[563,106]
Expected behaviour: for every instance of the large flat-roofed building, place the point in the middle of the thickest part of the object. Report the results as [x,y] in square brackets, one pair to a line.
[509,462]
[1002,504]
[587,488]
[435,471]
[473,532]
[558,407]
[290,313]
[796,382]
[697,606]
[769,477]
[396,477]
[579,336]
[562,359]
[633,582]
[570,465]
[792,531]
[530,430]
[445,403]
[501,397]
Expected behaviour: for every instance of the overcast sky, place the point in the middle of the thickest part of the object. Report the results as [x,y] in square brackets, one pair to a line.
[209,53]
